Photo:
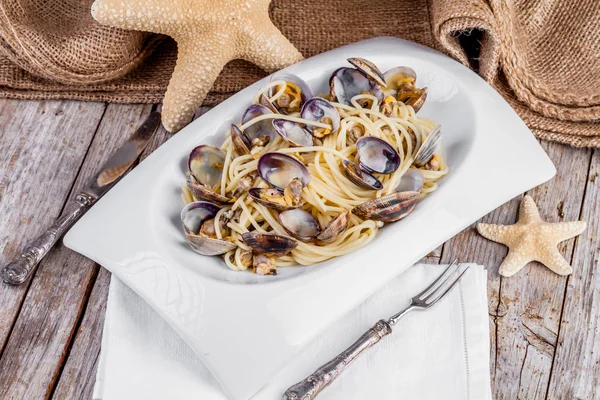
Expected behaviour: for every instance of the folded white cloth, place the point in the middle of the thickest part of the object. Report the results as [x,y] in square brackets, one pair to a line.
[440,353]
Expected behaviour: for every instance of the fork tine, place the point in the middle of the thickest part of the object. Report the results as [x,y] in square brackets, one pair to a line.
[434,283]
[442,284]
[445,292]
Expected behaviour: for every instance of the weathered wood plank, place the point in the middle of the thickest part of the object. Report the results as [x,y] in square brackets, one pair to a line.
[533,298]
[470,246]
[42,146]
[524,309]
[42,334]
[78,376]
[576,370]
[79,373]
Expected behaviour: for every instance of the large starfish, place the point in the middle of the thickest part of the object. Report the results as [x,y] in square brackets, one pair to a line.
[209,34]
[532,239]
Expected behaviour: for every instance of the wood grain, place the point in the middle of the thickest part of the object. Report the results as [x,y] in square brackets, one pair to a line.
[533,298]
[576,369]
[470,246]
[33,357]
[42,146]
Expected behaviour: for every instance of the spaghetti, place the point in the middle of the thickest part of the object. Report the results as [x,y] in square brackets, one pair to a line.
[331,191]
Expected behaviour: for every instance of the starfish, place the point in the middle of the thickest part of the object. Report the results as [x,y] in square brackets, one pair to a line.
[209,34]
[532,239]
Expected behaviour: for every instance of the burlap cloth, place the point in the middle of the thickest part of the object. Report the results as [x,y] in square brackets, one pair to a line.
[543,56]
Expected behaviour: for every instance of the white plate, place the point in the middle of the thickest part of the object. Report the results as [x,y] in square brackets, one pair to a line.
[246,327]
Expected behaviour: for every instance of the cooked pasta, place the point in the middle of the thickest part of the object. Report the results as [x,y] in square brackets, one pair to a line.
[330,191]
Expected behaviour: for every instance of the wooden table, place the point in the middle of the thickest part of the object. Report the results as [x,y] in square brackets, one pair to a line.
[544,328]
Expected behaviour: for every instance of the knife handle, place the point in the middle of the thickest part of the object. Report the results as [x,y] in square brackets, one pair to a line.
[310,387]
[22,266]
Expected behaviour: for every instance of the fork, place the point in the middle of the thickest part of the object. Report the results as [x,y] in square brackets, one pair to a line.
[310,387]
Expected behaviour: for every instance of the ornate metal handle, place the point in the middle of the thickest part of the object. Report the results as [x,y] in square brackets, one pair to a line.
[22,266]
[325,374]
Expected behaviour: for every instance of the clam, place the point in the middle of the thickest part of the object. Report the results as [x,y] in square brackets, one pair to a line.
[376,155]
[293,133]
[390,208]
[279,169]
[345,83]
[398,77]
[295,94]
[401,82]
[293,192]
[194,217]
[239,140]
[411,181]
[264,101]
[417,100]
[261,130]
[272,198]
[244,184]
[263,265]
[299,224]
[205,165]
[265,248]
[369,69]
[203,192]
[320,110]
[335,228]
[361,177]
[269,244]
[429,147]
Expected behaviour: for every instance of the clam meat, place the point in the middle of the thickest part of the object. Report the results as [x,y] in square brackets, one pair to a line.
[295,93]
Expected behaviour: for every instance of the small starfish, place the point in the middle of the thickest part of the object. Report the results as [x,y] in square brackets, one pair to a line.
[532,239]
[209,34]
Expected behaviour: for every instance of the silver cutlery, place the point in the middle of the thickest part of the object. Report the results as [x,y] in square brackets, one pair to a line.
[117,165]
[310,387]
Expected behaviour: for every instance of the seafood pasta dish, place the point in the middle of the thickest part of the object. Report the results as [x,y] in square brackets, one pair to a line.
[305,177]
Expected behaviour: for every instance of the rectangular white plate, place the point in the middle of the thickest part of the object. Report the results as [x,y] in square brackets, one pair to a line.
[246,327]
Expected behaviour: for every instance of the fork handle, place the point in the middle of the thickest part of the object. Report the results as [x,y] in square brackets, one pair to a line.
[23,265]
[310,387]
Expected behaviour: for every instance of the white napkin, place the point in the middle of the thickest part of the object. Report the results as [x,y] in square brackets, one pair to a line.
[440,353]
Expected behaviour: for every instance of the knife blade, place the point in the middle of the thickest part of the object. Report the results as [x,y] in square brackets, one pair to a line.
[18,270]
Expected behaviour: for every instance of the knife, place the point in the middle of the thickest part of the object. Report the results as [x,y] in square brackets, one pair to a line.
[117,165]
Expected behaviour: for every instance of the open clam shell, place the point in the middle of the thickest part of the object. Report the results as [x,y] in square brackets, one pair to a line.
[297,92]
[398,76]
[361,177]
[377,155]
[202,192]
[259,129]
[429,147]
[345,83]
[368,68]
[293,133]
[390,208]
[206,165]
[299,224]
[192,217]
[279,169]
[239,140]
[335,228]
[417,102]
[263,100]
[411,181]
[269,244]
[320,110]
